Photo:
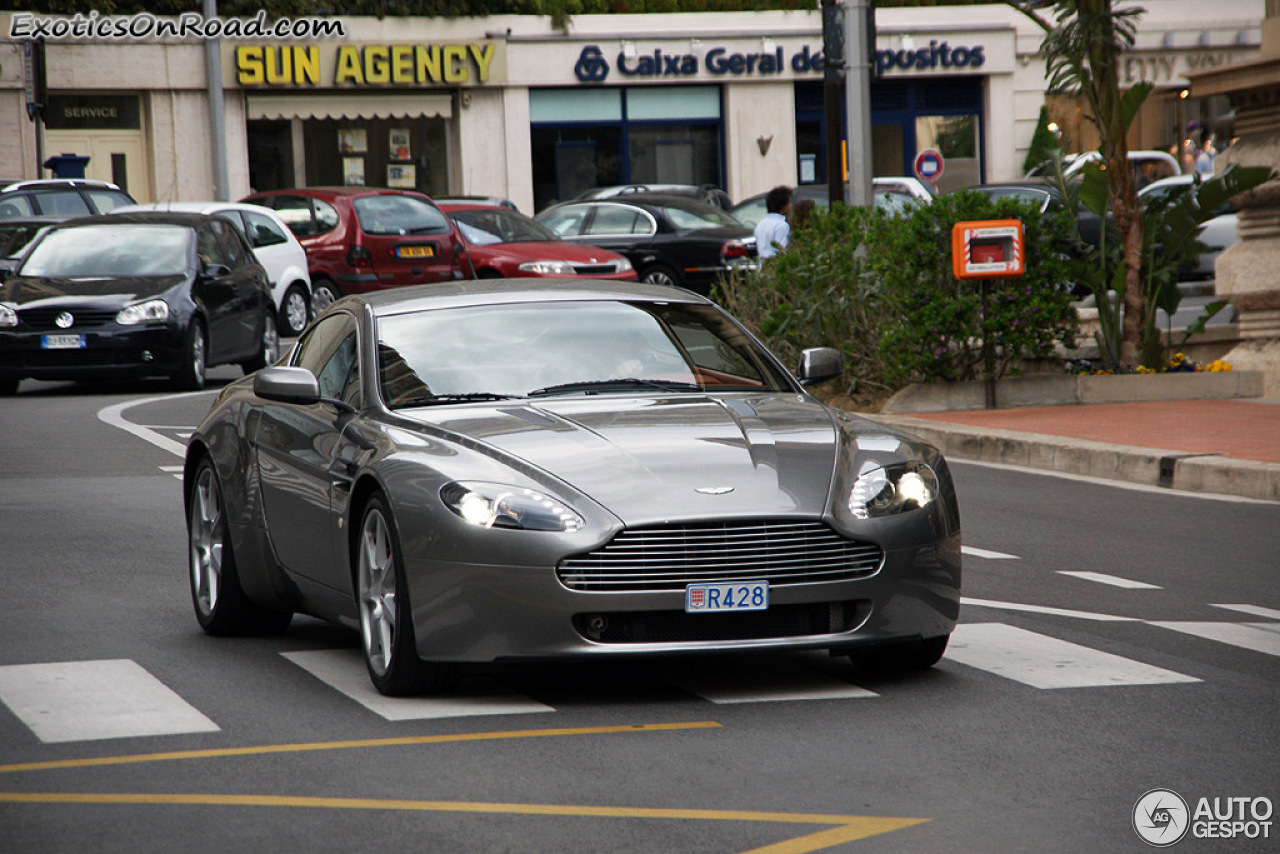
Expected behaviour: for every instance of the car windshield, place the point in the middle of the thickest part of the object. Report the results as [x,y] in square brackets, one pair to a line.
[109,250]
[482,227]
[698,216]
[396,214]
[566,348]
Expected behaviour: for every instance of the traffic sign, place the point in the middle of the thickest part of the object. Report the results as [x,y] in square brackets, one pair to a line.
[928,165]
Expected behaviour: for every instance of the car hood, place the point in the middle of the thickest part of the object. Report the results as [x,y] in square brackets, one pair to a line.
[32,291]
[667,458]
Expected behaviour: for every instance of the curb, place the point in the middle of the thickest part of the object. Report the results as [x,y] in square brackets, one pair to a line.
[1175,470]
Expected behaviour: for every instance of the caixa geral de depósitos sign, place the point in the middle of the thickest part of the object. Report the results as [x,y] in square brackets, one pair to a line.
[593,67]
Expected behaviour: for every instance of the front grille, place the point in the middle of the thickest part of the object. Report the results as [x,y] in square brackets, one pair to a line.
[595,269]
[783,621]
[671,557]
[42,319]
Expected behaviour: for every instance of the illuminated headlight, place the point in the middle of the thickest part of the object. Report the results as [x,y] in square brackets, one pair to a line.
[8,317]
[880,491]
[548,268]
[151,311]
[491,505]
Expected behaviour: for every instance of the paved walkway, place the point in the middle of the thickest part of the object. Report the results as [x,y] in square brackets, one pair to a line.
[1239,429]
[1229,447]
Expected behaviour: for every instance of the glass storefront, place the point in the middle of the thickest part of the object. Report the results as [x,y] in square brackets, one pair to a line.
[586,138]
[907,117]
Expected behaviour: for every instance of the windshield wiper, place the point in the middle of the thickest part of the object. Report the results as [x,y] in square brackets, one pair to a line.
[595,386]
[440,399]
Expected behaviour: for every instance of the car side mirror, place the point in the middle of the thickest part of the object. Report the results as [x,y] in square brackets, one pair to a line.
[819,364]
[210,270]
[287,385]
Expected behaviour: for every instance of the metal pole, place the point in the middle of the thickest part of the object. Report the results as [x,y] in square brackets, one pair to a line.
[833,68]
[859,42]
[217,115]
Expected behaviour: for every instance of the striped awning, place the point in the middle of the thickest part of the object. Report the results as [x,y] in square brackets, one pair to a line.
[350,105]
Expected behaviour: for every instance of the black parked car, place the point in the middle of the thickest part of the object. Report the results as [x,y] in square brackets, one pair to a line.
[60,197]
[1049,198]
[670,240]
[136,295]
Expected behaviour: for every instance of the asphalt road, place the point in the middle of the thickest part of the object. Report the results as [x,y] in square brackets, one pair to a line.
[1062,700]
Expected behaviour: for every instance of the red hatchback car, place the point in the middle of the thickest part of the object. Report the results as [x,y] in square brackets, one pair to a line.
[505,244]
[361,239]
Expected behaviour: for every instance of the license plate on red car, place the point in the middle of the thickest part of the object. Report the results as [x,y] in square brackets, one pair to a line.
[62,342]
[415,252]
[719,598]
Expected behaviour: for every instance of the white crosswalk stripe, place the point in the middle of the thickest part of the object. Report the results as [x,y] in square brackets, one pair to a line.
[1111,580]
[344,671]
[1045,662]
[93,700]
[1258,637]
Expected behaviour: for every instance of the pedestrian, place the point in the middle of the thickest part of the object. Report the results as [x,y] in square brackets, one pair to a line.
[800,213]
[774,232]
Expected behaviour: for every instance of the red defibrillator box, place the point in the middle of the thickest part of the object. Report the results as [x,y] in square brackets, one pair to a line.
[988,249]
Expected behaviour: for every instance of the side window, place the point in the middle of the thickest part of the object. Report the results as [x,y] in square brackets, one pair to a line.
[567,221]
[105,200]
[296,213]
[615,219]
[209,249]
[329,350]
[326,216]
[262,230]
[62,203]
[15,205]
[232,244]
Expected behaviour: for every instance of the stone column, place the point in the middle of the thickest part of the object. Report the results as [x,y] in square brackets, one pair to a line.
[1248,273]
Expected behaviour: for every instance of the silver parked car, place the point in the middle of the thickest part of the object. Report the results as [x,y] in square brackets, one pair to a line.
[505,470]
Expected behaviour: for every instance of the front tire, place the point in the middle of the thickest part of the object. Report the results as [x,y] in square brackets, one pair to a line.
[190,377]
[295,311]
[386,617]
[903,656]
[220,604]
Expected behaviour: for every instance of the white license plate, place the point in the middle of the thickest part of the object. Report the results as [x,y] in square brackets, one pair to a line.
[62,342]
[719,598]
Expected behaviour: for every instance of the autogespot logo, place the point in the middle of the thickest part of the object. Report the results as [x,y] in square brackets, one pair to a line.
[1161,818]
[592,67]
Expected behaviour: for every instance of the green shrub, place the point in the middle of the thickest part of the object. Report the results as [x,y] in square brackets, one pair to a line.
[935,324]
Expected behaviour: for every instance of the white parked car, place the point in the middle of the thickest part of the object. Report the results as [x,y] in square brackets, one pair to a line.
[1218,232]
[275,248]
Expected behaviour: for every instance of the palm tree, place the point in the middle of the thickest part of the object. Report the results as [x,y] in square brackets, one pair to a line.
[1082,53]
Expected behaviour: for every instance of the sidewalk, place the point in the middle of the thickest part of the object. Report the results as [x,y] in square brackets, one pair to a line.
[1229,447]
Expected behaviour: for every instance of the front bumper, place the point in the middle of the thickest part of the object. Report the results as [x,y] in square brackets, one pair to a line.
[122,351]
[481,613]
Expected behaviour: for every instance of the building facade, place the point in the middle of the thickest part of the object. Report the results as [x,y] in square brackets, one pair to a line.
[510,106]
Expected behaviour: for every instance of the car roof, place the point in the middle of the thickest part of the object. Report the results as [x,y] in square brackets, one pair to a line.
[339,191]
[54,183]
[657,200]
[473,206]
[190,207]
[499,291]
[190,220]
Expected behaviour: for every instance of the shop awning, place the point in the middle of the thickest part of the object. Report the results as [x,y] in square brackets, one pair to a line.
[353,105]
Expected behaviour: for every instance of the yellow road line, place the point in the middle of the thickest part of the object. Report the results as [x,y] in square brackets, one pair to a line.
[348,745]
[847,828]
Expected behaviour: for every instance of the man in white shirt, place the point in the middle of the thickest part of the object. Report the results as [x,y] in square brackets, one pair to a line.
[774,232]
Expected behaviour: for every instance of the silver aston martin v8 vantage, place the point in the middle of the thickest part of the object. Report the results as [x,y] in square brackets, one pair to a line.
[504,470]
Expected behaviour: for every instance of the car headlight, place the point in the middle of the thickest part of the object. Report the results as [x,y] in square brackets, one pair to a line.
[491,505]
[8,317]
[884,491]
[151,311]
[622,265]
[548,268]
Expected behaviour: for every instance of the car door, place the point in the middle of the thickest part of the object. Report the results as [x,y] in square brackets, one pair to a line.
[216,289]
[621,228]
[298,448]
[251,286]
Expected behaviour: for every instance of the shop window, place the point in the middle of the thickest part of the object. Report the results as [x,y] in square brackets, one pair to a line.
[401,153]
[956,139]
